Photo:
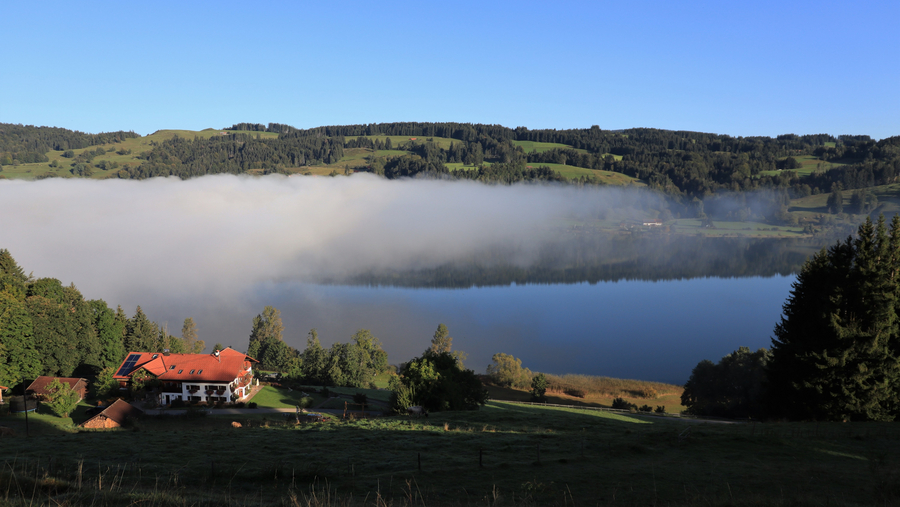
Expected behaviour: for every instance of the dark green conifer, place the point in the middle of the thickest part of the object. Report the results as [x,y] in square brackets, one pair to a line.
[834,355]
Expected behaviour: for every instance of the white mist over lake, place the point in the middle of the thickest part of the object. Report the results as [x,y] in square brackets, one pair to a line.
[219,248]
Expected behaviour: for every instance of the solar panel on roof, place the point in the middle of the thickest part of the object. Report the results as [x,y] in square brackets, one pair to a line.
[128,365]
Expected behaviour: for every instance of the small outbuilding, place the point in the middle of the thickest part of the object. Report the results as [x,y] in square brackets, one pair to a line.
[38,388]
[114,416]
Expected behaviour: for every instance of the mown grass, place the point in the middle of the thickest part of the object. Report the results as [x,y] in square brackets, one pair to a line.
[272,397]
[503,454]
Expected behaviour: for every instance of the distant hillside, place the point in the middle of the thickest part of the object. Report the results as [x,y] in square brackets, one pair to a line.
[687,167]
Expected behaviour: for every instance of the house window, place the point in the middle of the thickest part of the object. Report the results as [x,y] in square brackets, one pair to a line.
[154,356]
[192,372]
[200,372]
[172,367]
[179,371]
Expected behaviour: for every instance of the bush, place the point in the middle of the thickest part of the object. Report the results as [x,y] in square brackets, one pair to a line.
[177,403]
[361,399]
[252,404]
[539,388]
[622,404]
[660,409]
[646,408]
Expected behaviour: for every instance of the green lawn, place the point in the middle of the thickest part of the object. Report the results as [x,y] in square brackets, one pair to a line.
[272,397]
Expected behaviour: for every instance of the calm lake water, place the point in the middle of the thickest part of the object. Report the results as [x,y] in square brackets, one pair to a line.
[627,329]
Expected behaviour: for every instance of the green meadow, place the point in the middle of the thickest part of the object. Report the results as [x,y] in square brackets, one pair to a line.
[808,165]
[134,145]
[502,454]
[607,177]
[398,141]
[539,147]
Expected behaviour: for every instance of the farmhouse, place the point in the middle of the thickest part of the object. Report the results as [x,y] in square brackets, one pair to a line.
[2,388]
[653,223]
[38,388]
[113,416]
[222,376]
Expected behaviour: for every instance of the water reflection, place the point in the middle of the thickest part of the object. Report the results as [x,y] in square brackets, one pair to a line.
[629,329]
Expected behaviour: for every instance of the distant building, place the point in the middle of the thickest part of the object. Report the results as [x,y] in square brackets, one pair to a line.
[223,376]
[39,388]
[653,223]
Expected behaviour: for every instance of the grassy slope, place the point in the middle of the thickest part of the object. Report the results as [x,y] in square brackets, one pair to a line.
[538,147]
[136,145]
[815,205]
[671,401]
[808,165]
[530,456]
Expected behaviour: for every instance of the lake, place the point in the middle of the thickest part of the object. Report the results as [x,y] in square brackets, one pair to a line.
[650,330]
[551,274]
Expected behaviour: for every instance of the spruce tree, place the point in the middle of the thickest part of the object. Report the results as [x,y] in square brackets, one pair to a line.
[835,351]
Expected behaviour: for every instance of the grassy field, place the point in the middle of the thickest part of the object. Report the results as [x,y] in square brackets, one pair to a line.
[808,165]
[271,397]
[570,172]
[670,400]
[538,147]
[816,205]
[397,141]
[503,454]
[748,229]
[135,145]
[607,177]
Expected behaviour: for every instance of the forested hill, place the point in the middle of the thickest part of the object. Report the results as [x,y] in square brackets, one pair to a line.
[683,165]
[31,144]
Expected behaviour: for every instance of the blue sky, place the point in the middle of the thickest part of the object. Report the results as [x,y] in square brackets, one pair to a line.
[754,68]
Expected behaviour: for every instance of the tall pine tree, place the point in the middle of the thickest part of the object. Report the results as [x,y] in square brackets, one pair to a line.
[835,351]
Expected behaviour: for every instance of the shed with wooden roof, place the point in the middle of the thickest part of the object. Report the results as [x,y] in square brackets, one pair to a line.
[114,416]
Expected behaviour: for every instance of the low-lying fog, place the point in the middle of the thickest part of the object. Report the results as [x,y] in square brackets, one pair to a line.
[219,248]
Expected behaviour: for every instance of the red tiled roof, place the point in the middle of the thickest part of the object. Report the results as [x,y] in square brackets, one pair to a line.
[119,411]
[40,384]
[192,367]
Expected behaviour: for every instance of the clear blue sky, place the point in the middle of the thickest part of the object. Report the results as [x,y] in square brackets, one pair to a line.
[748,68]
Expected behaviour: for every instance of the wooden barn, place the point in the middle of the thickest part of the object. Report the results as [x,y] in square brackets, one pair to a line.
[38,388]
[113,416]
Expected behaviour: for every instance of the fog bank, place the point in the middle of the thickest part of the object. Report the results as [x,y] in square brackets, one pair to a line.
[219,248]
